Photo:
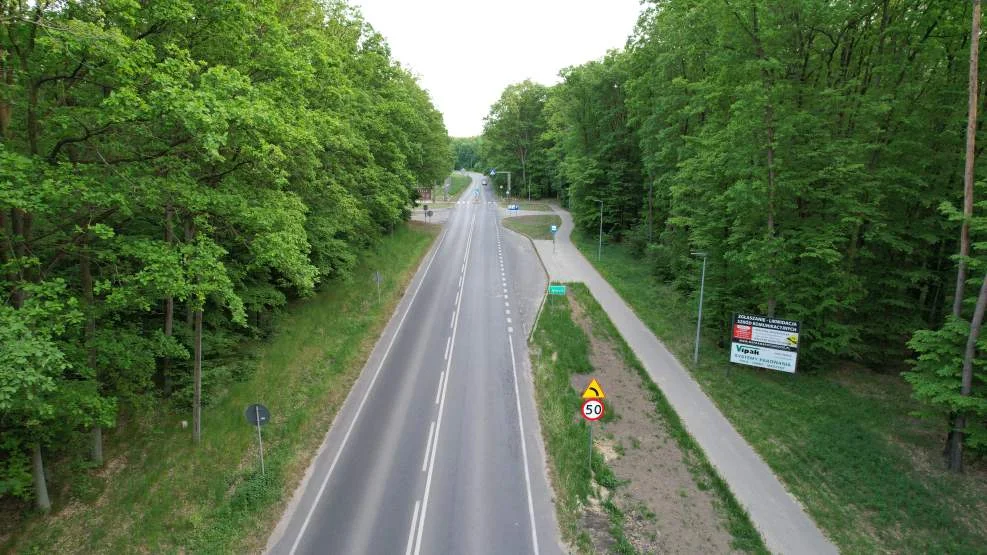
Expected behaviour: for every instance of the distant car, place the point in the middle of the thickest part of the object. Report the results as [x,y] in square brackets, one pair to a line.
[513,207]
[484,182]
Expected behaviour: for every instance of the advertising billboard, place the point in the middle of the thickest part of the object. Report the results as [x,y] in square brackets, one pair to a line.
[764,342]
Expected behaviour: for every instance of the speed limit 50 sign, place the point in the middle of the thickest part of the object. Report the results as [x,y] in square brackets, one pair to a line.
[593,409]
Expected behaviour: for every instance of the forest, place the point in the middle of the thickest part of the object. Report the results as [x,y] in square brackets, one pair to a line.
[817,151]
[172,173]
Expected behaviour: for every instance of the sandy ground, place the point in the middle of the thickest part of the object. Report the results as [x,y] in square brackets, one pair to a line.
[665,510]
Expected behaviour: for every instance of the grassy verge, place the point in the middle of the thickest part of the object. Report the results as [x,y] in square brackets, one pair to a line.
[458,183]
[844,442]
[559,349]
[536,227]
[158,493]
[745,536]
[533,205]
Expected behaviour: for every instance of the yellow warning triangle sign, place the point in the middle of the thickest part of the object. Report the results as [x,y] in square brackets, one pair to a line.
[594,390]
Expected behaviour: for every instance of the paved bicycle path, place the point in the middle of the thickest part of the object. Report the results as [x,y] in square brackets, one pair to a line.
[778,516]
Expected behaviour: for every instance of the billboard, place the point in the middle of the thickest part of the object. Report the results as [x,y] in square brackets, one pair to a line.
[764,342]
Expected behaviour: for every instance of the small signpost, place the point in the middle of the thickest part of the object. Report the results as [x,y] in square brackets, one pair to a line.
[555,229]
[764,342]
[258,415]
[592,410]
[378,279]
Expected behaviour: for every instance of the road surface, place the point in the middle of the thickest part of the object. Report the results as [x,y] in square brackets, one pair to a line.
[437,448]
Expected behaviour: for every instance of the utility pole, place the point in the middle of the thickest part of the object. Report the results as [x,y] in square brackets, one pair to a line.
[699,321]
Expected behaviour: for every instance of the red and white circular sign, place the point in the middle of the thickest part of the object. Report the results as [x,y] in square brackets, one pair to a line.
[593,410]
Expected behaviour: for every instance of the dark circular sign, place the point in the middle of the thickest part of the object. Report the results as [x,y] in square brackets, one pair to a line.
[257,414]
[429,213]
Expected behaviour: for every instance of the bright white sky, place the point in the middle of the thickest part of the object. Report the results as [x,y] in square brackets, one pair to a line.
[466,51]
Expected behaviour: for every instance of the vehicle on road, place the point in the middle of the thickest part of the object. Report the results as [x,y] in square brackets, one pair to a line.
[484,181]
[513,207]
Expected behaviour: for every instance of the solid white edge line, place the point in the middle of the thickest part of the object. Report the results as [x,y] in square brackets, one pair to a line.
[366,395]
[411,533]
[428,445]
[524,450]
[442,406]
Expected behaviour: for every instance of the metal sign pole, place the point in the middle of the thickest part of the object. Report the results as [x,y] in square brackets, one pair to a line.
[260,440]
[590,426]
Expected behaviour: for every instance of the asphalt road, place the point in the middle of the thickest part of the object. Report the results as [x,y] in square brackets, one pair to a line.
[437,448]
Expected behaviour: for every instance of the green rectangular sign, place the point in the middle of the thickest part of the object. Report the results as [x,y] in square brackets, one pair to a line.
[556,289]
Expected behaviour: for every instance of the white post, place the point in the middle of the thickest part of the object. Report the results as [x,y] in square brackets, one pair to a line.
[260,440]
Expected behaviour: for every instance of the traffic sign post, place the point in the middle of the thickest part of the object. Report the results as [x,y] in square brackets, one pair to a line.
[555,228]
[378,278]
[592,410]
[258,415]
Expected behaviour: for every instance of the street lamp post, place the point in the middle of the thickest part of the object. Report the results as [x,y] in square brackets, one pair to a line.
[699,321]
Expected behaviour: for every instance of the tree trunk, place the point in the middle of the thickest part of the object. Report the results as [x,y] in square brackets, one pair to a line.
[40,484]
[169,316]
[88,299]
[954,444]
[971,138]
[197,378]
[966,386]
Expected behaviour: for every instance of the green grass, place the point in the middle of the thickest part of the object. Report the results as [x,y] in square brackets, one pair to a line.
[536,227]
[843,442]
[560,348]
[459,182]
[158,493]
[745,536]
[533,205]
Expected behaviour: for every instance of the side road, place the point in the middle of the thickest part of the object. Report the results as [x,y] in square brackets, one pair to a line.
[781,520]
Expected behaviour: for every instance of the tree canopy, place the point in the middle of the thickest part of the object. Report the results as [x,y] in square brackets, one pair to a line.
[173,167]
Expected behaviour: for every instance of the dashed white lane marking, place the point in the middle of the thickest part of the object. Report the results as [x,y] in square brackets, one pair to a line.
[508,311]
[507,303]
[442,404]
[510,329]
[439,390]
[505,290]
[448,343]
[428,445]
[363,401]
[508,320]
[411,533]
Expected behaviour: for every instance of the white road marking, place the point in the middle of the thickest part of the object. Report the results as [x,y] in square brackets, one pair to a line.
[508,320]
[442,406]
[428,444]
[366,395]
[411,533]
[507,311]
[448,342]
[439,390]
[524,451]
[507,303]
[510,329]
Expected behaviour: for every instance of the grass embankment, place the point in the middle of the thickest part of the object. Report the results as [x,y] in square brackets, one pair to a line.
[158,493]
[560,348]
[536,227]
[844,442]
[456,186]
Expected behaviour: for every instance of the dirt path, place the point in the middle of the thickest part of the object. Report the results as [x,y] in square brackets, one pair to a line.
[667,507]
